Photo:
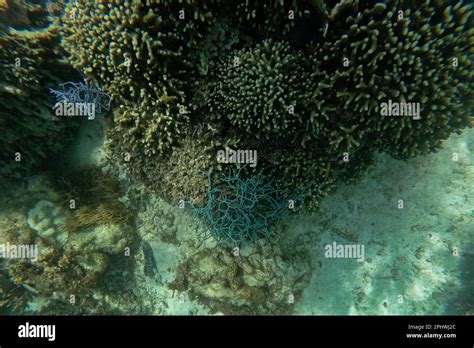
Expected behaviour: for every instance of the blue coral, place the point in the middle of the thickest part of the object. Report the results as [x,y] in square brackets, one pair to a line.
[241,210]
[78,92]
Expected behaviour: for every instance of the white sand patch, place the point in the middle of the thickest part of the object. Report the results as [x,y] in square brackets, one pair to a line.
[413,256]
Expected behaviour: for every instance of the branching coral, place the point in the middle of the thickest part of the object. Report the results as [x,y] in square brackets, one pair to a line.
[368,53]
[307,77]
[241,210]
[279,19]
[136,48]
[264,88]
[141,53]
[150,128]
[403,52]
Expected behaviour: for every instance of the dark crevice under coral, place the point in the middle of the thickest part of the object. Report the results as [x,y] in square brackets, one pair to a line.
[31,61]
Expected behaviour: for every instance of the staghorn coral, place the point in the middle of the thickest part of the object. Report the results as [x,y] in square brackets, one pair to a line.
[30,62]
[279,19]
[146,56]
[263,88]
[280,94]
[311,87]
[223,36]
[149,129]
[407,53]
[366,55]
[136,49]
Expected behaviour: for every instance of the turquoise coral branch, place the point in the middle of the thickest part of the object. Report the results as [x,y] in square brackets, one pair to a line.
[241,210]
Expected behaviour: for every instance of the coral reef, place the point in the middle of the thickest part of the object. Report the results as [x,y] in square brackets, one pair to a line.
[140,52]
[185,166]
[281,19]
[368,54]
[180,184]
[307,77]
[149,129]
[149,44]
[76,247]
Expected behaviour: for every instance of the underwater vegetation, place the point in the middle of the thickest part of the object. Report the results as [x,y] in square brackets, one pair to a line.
[95,197]
[310,83]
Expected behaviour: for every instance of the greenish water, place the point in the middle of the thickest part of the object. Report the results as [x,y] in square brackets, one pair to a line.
[335,202]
